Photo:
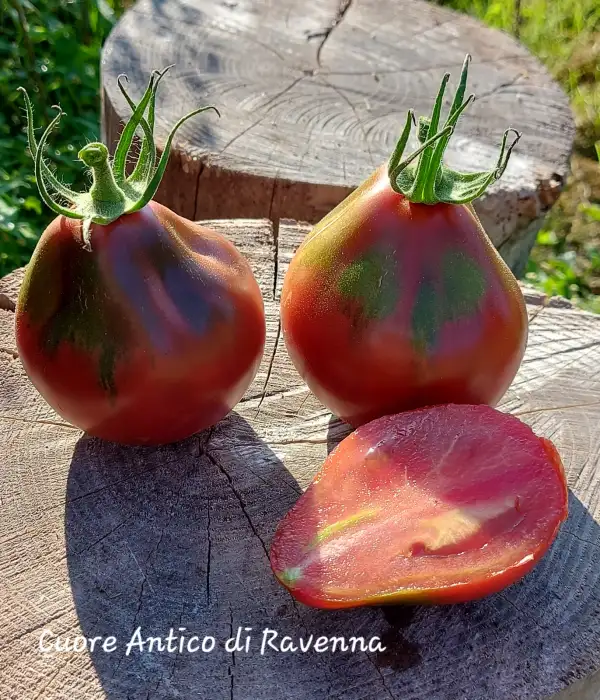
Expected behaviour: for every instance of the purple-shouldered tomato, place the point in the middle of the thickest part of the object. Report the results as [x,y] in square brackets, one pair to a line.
[397,298]
[134,323]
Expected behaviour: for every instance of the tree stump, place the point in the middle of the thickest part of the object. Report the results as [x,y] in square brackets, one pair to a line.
[313,96]
[99,539]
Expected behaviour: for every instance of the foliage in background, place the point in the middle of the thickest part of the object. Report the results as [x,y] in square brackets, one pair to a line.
[52,47]
[56,54]
[592,211]
[565,35]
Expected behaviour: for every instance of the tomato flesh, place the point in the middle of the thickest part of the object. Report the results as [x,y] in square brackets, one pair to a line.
[390,305]
[437,505]
[153,334]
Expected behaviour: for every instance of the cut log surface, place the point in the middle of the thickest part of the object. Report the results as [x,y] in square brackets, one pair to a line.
[313,95]
[99,539]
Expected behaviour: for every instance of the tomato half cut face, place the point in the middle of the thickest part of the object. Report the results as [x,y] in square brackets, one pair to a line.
[438,505]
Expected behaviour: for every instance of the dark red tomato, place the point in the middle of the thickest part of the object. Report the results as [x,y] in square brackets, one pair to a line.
[150,336]
[397,298]
[390,305]
[437,505]
[134,323]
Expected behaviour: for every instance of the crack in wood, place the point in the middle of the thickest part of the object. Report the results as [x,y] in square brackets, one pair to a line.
[383,680]
[324,34]
[196,188]
[581,539]
[107,534]
[275,229]
[154,552]
[566,351]
[178,654]
[301,441]
[16,419]
[139,603]
[522,612]
[255,123]
[236,493]
[269,370]
[47,684]
[281,93]
[556,408]
[536,313]
[34,628]
[110,485]
[297,491]
[493,91]
[135,616]
[145,578]
[208,553]
[243,132]
[293,389]
[304,400]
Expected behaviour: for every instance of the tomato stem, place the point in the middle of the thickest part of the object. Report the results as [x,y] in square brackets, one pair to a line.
[422,177]
[107,197]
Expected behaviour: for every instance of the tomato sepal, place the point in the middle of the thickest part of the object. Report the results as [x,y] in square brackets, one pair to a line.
[422,177]
[112,194]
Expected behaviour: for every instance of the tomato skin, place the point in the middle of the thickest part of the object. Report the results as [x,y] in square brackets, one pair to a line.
[389,305]
[438,505]
[152,335]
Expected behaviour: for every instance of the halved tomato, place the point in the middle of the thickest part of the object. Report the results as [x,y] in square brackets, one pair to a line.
[438,505]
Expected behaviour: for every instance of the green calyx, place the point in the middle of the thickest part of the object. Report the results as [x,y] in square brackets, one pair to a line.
[423,177]
[112,193]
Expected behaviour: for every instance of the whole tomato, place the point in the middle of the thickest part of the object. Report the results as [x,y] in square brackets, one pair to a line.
[134,323]
[397,298]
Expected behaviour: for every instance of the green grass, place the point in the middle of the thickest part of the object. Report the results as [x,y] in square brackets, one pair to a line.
[565,35]
[53,48]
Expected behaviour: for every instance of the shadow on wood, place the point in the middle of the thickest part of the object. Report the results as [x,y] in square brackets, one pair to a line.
[164,539]
[172,537]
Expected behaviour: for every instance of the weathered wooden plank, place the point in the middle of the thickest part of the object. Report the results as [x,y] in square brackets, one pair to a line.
[313,96]
[100,539]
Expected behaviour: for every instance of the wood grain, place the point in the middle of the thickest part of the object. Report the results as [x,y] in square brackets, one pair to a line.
[313,96]
[98,539]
